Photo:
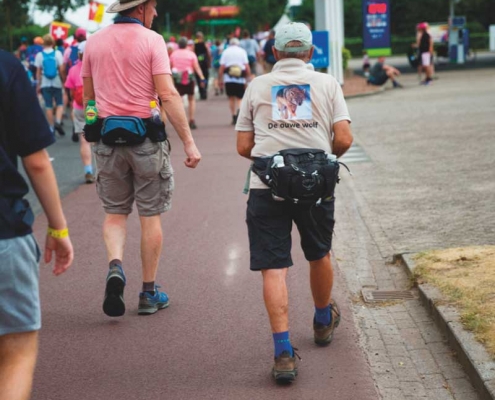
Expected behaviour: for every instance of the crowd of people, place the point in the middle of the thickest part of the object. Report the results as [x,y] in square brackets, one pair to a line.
[132,154]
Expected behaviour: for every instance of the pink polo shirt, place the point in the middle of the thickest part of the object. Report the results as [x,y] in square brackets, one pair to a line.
[122,60]
[183,60]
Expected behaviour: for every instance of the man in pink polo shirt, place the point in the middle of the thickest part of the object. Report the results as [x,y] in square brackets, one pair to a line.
[125,67]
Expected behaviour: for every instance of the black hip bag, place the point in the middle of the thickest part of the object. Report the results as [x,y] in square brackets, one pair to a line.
[301,176]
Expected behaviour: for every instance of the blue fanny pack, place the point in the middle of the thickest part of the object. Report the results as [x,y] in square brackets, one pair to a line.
[124,131]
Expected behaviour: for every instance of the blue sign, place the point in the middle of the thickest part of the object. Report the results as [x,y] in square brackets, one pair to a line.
[458,22]
[376,24]
[321,54]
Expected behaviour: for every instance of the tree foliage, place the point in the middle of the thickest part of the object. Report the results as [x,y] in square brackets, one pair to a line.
[59,7]
[405,14]
[13,13]
[261,14]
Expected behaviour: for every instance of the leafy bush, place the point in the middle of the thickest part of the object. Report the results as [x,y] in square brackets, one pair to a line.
[346,56]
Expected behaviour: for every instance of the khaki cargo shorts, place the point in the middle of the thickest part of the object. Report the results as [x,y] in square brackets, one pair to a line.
[127,173]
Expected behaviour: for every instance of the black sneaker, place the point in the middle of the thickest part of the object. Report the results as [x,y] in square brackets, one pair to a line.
[59,129]
[75,136]
[113,304]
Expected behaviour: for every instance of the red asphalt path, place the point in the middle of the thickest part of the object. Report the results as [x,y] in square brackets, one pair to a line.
[214,341]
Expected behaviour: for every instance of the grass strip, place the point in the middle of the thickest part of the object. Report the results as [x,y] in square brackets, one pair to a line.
[466,277]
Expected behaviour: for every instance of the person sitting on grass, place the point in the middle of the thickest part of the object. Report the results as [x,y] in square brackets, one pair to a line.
[381,72]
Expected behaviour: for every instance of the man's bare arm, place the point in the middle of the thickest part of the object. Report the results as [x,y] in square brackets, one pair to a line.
[88,90]
[174,108]
[245,143]
[342,138]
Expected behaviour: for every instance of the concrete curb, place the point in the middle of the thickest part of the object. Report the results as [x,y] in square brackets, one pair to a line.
[364,94]
[475,360]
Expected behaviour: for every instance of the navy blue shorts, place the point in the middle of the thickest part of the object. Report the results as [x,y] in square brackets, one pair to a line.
[270,224]
[51,95]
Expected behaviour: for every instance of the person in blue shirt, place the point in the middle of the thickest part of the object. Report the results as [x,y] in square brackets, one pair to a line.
[24,133]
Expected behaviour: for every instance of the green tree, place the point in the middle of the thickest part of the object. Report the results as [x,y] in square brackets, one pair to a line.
[261,14]
[13,13]
[59,7]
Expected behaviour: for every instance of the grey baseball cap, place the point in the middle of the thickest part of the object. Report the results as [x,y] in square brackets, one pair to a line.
[293,31]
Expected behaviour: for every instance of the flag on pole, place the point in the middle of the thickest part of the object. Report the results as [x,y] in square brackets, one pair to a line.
[59,30]
[96,11]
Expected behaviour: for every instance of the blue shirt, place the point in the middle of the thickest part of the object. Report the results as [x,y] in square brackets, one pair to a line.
[23,131]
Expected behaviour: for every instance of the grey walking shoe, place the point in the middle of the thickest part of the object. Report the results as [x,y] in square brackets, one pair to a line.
[285,369]
[324,333]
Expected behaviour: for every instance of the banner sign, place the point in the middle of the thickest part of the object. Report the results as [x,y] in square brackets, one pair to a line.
[321,56]
[376,27]
[59,30]
[96,11]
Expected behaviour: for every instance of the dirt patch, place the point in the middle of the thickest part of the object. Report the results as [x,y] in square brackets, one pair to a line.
[466,276]
[355,85]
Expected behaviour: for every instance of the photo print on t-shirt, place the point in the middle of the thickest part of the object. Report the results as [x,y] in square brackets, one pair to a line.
[291,102]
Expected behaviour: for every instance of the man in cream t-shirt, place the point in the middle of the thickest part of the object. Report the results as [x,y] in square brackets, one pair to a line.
[292,107]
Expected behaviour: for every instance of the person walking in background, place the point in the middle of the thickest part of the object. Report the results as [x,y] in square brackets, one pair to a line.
[252,49]
[21,52]
[132,167]
[366,64]
[425,49]
[184,64]
[71,58]
[234,67]
[31,54]
[320,103]
[74,83]
[49,76]
[268,56]
[216,52]
[24,133]
[204,58]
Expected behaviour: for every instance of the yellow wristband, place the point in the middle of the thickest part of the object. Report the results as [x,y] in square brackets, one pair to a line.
[58,234]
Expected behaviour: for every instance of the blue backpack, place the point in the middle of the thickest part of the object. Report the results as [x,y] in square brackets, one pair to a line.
[50,68]
[73,57]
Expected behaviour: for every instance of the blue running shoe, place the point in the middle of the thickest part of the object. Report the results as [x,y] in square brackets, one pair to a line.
[149,304]
[113,304]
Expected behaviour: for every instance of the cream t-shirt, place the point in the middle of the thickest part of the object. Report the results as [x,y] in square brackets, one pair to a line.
[291,107]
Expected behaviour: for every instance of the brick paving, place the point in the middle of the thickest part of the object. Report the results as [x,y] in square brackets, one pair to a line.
[408,356]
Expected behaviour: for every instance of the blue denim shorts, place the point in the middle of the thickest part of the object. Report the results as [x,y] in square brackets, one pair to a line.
[51,95]
[19,290]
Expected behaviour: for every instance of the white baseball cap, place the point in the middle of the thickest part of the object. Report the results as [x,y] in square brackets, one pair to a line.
[293,31]
[81,46]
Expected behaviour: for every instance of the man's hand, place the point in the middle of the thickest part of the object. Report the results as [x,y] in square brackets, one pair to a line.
[193,155]
[64,253]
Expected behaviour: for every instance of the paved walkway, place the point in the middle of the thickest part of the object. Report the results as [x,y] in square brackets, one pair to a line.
[214,340]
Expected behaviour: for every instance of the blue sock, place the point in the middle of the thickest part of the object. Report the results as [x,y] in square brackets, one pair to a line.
[282,343]
[88,169]
[323,316]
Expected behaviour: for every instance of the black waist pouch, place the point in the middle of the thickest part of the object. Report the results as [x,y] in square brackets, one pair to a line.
[156,132]
[124,131]
[308,176]
[92,133]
